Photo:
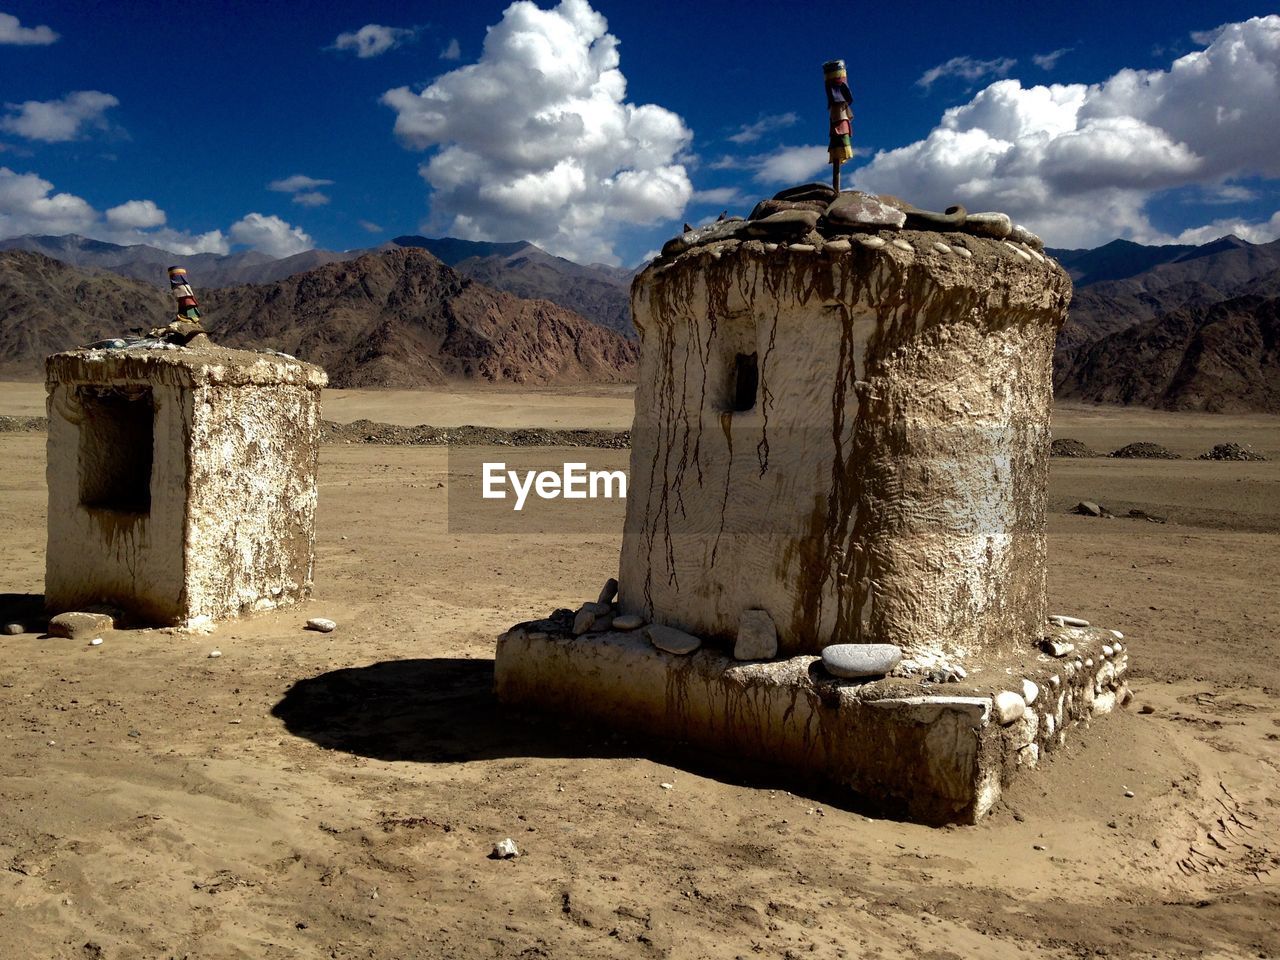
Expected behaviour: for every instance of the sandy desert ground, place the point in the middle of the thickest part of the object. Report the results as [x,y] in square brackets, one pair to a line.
[312,795]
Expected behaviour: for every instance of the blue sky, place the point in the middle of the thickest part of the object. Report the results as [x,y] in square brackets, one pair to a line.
[219,126]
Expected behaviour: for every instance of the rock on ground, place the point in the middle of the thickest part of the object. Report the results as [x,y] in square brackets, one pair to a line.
[757,636]
[78,625]
[671,640]
[855,660]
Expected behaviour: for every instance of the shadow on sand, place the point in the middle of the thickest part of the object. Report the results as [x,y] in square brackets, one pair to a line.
[445,711]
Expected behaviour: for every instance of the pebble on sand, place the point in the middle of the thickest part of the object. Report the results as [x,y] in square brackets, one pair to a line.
[214,654]
[322,624]
[505,850]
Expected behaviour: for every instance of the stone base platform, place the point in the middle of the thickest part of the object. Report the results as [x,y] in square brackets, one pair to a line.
[916,750]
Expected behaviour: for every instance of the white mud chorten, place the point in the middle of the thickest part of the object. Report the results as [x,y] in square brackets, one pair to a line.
[182,480]
[840,450]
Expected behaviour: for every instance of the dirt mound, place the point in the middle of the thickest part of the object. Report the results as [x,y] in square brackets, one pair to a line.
[1066,447]
[1144,451]
[1231,451]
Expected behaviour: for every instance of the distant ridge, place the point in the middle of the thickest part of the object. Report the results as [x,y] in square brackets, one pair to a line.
[147,263]
[396,318]
[600,293]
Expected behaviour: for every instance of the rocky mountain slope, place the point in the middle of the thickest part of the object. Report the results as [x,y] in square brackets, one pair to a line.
[396,318]
[403,318]
[1124,283]
[598,292]
[1149,325]
[1222,357]
[47,306]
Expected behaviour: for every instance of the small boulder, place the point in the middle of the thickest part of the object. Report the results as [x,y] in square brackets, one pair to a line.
[952,218]
[79,625]
[1055,647]
[12,629]
[766,208]
[997,226]
[783,226]
[720,230]
[588,615]
[1030,691]
[853,661]
[628,621]
[1087,508]
[505,850]
[608,591]
[1021,234]
[856,211]
[1009,707]
[322,624]
[671,640]
[757,636]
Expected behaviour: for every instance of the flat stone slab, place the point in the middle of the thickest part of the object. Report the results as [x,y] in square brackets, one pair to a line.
[854,661]
[671,640]
[927,758]
[860,211]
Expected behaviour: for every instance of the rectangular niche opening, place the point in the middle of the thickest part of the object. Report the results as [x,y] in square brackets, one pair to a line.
[746,382]
[117,436]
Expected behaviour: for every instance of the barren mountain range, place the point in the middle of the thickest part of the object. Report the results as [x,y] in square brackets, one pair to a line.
[598,292]
[395,318]
[1177,326]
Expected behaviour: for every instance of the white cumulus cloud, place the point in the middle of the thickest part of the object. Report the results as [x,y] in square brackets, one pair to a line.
[270,234]
[57,121]
[374,39]
[1253,231]
[29,204]
[137,214]
[311,198]
[14,33]
[537,140]
[1078,163]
